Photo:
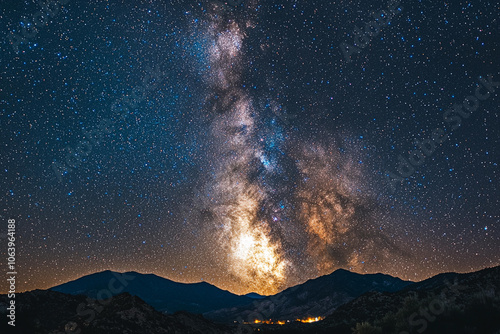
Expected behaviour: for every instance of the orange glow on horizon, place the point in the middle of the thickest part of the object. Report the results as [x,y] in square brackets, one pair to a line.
[310,319]
[270,322]
[284,322]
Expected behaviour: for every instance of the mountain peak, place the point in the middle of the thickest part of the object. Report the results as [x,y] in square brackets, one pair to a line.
[163,294]
[342,271]
[255,295]
[329,291]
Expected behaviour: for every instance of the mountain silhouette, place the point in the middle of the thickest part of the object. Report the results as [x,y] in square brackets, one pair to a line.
[344,303]
[45,311]
[316,297]
[161,293]
[446,303]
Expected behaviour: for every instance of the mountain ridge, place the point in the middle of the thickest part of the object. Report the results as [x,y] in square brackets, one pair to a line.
[163,294]
[315,297]
[459,303]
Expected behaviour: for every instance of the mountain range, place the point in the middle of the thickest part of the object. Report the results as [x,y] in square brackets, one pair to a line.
[342,302]
[51,312]
[447,303]
[163,294]
[315,298]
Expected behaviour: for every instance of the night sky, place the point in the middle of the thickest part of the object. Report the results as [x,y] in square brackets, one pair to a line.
[253,145]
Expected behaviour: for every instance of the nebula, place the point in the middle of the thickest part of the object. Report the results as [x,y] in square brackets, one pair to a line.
[279,211]
[253,256]
[338,217]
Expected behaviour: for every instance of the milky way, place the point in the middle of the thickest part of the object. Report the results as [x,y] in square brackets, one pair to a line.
[235,197]
[245,151]
[325,215]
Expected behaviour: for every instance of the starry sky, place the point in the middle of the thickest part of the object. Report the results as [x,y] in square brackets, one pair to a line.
[253,145]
